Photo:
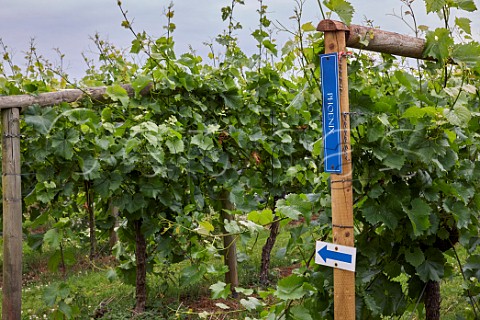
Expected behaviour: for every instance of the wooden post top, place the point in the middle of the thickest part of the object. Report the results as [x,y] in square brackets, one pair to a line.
[332,25]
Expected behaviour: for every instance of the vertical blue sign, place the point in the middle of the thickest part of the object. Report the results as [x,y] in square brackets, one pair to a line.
[331,113]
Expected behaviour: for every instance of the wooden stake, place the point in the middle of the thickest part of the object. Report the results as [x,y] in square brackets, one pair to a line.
[12,215]
[230,245]
[341,184]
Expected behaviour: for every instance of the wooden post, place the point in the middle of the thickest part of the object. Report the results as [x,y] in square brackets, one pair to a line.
[12,215]
[230,245]
[341,184]
[114,212]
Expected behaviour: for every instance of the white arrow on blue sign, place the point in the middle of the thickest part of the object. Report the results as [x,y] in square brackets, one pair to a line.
[335,255]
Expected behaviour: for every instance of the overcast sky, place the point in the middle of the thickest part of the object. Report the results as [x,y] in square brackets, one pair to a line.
[68,24]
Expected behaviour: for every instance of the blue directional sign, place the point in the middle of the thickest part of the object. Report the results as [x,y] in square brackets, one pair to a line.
[331,113]
[336,256]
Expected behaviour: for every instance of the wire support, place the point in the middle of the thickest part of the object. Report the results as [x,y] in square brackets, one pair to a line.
[341,226]
[341,181]
[355,113]
[13,136]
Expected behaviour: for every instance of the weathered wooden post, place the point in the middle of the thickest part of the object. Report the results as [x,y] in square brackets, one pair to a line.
[229,244]
[12,215]
[341,184]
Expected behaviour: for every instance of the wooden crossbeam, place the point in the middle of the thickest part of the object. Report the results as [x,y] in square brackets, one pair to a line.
[373,39]
[97,94]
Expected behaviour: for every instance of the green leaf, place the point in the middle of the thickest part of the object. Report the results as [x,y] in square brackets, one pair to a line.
[375,192]
[204,227]
[433,266]
[82,116]
[372,304]
[244,291]
[386,295]
[52,238]
[467,53]
[294,205]
[64,141]
[140,83]
[414,256]
[132,144]
[259,35]
[251,226]
[203,142]
[232,100]
[434,5]
[232,226]
[464,24]
[308,27]
[50,295]
[222,306]
[300,313]
[90,167]
[111,275]
[63,290]
[467,5]
[418,113]
[438,44]
[251,303]
[289,212]
[118,93]
[54,261]
[290,288]
[449,160]
[192,274]
[65,309]
[461,213]
[45,192]
[175,146]
[375,132]
[458,116]
[419,216]
[464,191]
[213,128]
[41,119]
[342,8]
[404,78]
[472,266]
[263,217]
[375,213]
[220,290]
[136,45]
[270,46]
[317,148]
[394,161]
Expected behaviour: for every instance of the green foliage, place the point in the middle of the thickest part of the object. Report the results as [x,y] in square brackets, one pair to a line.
[438,43]
[342,8]
[246,130]
[58,297]
[220,290]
